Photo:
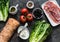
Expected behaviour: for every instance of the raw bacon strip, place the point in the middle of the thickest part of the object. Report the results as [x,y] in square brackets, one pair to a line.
[51,16]
[53,11]
[49,13]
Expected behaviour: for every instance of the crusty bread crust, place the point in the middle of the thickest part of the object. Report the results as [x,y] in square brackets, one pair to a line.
[8,30]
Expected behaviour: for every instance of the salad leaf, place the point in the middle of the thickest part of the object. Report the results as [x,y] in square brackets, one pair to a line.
[4,6]
[40,32]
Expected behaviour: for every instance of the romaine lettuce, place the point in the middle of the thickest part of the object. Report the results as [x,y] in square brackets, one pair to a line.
[4,6]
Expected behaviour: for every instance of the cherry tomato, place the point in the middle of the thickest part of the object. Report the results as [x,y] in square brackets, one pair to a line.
[24,11]
[22,18]
[29,17]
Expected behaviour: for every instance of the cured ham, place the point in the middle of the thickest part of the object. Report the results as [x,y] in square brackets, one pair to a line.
[53,11]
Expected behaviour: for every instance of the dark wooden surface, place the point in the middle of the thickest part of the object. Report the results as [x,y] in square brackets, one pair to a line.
[55,35]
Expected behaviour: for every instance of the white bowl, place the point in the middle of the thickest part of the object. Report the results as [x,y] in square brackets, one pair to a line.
[14,11]
[23,31]
[31,6]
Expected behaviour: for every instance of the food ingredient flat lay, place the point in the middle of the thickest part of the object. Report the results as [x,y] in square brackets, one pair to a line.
[25,21]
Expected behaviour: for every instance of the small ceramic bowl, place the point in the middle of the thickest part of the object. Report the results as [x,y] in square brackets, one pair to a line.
[23,32]
[37,13]
[30,4]
[15,9]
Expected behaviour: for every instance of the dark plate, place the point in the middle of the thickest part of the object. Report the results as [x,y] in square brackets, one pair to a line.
[55,35]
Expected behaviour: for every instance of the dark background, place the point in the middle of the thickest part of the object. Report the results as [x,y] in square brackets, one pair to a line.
[55,35]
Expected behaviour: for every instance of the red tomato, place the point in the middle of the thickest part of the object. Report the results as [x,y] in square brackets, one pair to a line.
[22,18]
[24,11]
[29,17]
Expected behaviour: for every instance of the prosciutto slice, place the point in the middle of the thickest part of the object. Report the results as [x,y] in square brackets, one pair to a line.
[53,11]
